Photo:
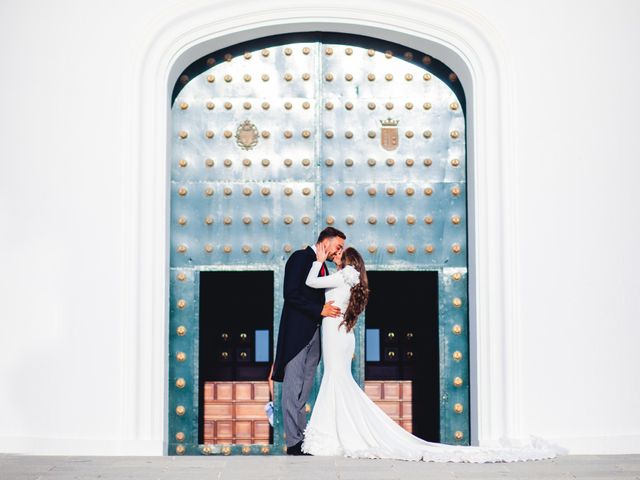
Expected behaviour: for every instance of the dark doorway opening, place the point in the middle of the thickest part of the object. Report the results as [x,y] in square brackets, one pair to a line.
[402,343]
[235,355]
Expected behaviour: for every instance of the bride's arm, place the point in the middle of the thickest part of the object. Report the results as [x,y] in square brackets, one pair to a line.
[328,281]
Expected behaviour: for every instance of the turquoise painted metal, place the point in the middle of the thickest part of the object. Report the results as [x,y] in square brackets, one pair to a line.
[274,139]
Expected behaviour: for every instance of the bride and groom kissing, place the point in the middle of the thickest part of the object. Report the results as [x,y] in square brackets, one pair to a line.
[318,318]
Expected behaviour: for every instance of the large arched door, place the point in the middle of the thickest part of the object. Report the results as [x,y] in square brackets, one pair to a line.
[271,141]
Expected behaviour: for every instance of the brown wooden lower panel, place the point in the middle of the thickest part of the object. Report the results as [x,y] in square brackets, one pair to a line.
[234,412]
[394,398]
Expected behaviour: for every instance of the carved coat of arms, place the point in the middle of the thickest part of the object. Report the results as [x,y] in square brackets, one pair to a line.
[389,137]
[247,135]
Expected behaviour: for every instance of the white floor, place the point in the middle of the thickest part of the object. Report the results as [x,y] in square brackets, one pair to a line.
[18,467]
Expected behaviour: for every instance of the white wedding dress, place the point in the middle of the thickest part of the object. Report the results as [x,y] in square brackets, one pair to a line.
[346,422]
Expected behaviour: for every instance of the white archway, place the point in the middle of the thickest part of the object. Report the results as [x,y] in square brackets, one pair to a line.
[459,38]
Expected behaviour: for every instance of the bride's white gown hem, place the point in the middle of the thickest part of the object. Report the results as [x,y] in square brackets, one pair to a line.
[346,422]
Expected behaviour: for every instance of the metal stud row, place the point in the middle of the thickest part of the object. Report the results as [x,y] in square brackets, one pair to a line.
[288,134]
[329,162]
[209,248]
[329,191]
[328,77]
[328,105]
[328,51]
[330,220]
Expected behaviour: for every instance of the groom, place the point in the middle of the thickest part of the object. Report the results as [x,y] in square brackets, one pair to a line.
[298,349]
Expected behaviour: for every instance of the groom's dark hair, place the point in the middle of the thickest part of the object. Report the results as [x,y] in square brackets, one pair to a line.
[330,232]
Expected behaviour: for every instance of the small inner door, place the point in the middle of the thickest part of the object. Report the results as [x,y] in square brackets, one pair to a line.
[402,369]
[236,345]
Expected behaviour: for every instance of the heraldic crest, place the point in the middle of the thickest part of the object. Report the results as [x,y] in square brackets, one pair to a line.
[247,135]
[389,137]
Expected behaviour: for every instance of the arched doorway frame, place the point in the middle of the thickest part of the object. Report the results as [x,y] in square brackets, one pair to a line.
[458,37]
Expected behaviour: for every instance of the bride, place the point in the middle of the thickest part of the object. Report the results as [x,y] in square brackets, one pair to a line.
[345,421]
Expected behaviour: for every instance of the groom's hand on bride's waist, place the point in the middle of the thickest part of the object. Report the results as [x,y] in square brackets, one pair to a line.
[329,310]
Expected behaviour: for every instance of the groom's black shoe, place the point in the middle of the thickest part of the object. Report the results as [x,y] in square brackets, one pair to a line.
[296,449]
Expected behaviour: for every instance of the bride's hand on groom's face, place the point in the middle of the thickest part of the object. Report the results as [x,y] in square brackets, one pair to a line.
[321,253]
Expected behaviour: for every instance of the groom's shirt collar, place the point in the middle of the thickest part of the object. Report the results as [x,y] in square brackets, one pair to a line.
[314,248]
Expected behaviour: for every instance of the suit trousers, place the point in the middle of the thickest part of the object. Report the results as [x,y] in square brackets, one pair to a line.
[299,374]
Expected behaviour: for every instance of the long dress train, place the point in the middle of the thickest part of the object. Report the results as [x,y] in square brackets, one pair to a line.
[346,422]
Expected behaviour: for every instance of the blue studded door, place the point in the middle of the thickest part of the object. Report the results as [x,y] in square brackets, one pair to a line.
[271,141]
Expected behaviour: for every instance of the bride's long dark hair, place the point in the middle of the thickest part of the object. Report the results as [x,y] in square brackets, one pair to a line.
[359,292]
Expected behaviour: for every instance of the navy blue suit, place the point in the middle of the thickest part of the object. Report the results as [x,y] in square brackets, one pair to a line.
[301,312]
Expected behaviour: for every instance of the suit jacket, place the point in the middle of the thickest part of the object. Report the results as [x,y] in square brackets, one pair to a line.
[301,312]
